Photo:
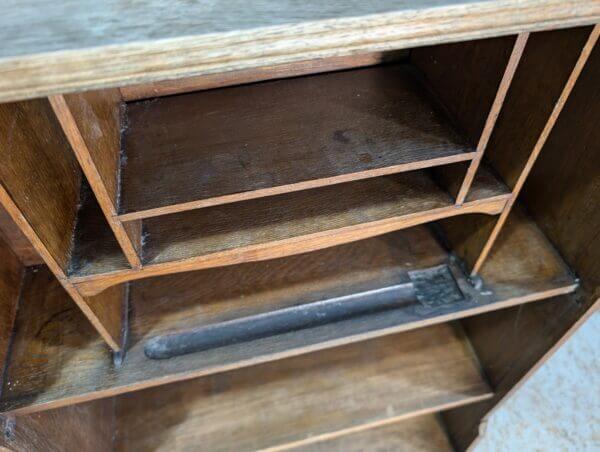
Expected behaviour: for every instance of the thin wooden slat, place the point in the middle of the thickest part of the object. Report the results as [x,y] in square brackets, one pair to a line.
[133,44]
[207,148]
[259,74]
[300,400]
[493,114]
[420,434]
[76,367]
[472,79]
[40,184]
[293,223]
[524,173]
[91,122]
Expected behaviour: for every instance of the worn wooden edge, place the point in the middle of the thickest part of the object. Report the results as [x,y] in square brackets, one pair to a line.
[558,107]
[37,75]
[371,425]
[94,284]
[111,339]
[288,188]
[253,75]
[38,406]
[71,130]
[507,77]
[594,308]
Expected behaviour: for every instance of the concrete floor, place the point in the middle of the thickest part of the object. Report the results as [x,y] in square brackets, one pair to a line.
[558,409]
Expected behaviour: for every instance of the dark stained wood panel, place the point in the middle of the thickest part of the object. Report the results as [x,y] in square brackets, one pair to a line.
[17,241]
[39,176]
[223,145]
[545,67]
[74,365]
[295,401]
[88,427]
[95,248]
[11,278]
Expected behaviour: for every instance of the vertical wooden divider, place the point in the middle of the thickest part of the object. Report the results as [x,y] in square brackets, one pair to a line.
[40,185]
[91,121]
[541,140]
[492,116]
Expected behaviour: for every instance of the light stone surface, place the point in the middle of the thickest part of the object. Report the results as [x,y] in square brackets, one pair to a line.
[558,409]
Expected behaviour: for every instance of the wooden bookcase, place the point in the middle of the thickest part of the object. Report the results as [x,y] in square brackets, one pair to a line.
[367,238]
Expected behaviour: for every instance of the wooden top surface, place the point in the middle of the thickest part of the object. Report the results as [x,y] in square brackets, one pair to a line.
[53,47]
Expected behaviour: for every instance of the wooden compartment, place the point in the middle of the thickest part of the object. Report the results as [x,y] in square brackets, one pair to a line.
[74,366]
[323,252]
[211,147]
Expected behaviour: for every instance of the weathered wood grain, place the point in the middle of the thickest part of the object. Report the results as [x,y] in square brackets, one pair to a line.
[300,400]
[527,269]
[134,44]
[11,277]
[259,74]
[40,176]
[207,148]
[420,434]
[17,241]
[562,194]
[92,123]
[87,427]
[293,223]
[582,52]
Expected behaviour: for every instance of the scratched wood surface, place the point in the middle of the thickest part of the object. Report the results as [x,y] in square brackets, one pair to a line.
[75,366]
[295,401]
[207,148]
[115,44]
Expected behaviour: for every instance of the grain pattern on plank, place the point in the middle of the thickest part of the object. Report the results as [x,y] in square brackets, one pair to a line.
[561,194]
[87,427]
[84,370]
[472,79]
[546,64]
[17,241]
[259,74]
[294,223]
[132,45]
[93,237]
[572,180]
[91,122]
[206,148]
[295,401]
[11,277]
[583,54]
[420,434]
[40,176]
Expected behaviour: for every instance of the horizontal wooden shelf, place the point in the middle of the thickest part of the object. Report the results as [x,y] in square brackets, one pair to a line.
[293,223]
[303,399]
[218,146]
[73,365]
[419,434]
